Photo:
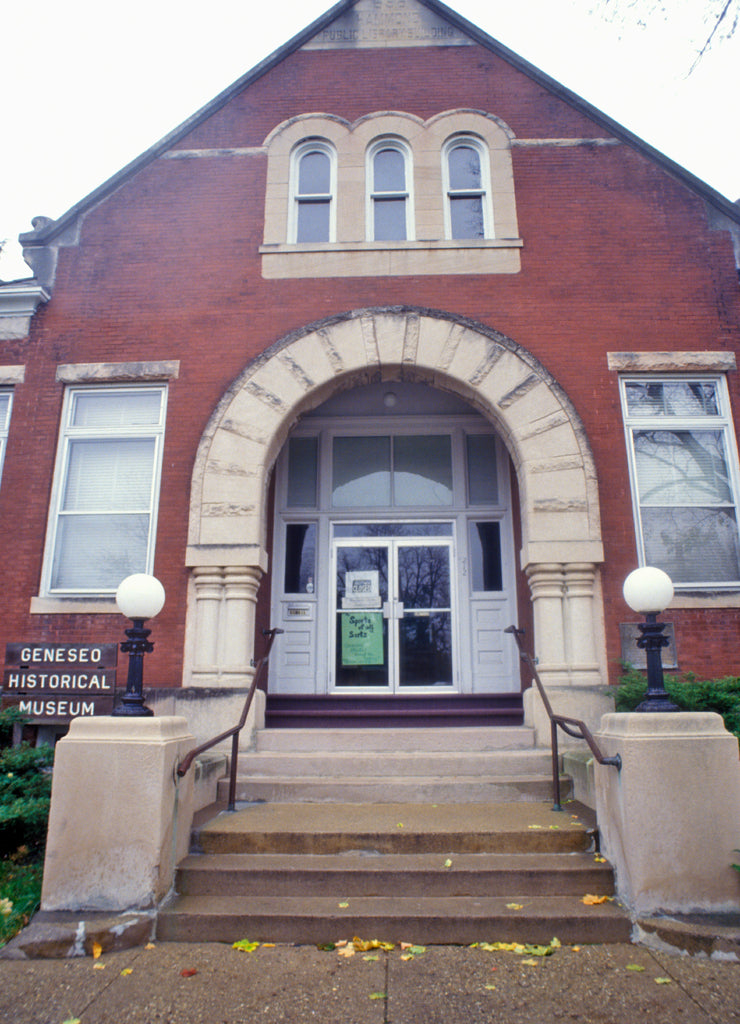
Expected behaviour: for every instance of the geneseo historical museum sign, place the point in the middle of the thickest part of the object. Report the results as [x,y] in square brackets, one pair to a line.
[53,683]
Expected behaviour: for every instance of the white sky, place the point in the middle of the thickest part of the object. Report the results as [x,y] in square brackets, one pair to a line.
[88,86]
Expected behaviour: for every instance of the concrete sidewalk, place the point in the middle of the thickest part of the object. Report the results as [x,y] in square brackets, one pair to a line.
[209,983]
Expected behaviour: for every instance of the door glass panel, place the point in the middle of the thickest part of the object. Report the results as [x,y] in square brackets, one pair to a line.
[361,471]
[300,558]
[485,556]
[422,470]
[425,628]
[362,631]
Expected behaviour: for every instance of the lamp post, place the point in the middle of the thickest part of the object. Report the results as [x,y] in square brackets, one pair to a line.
[139,597]
[648,591]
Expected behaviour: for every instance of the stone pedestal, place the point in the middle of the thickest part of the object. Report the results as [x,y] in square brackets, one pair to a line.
[670,820]
[120,818]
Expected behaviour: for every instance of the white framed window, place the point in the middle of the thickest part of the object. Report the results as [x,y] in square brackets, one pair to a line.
[313,193]
[6,405]
[466,182]
[684,475]
[106,488]
[389,201]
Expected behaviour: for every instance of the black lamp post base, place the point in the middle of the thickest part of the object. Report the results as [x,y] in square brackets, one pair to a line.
[131,709]
[661,702]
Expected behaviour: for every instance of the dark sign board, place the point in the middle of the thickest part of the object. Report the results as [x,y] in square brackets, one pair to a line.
[53,683]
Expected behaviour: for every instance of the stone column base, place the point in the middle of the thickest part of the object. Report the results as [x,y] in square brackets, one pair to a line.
[120,819]
[670,820]
[587,703]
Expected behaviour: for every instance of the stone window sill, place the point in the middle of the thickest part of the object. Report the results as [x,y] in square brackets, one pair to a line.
[376,259]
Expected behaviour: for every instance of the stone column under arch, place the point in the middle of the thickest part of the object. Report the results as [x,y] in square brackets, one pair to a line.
[561,532]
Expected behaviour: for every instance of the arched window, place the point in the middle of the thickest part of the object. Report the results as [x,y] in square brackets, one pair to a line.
[389,215]
[313,191]
[466,181]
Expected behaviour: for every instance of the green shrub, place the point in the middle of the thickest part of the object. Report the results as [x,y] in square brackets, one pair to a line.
[690,694]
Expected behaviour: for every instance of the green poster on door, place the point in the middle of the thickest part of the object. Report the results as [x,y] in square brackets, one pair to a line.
[362,638]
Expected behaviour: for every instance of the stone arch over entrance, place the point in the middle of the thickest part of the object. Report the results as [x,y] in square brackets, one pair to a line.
[561,532]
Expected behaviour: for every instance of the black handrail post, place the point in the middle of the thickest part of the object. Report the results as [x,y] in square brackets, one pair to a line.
[555,766]
[232,771]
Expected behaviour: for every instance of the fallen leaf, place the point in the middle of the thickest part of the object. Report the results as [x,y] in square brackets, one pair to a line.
[599,860]
[371,956]
[407,956]
[448,863]
[377,995]
[245,946]
[150,945]
[576,949]
[534,826]
[531,963]
[592,901]
[347,951]
[343,905]
[126,971]
[72,1020]
[327,947]
[268,945]
[97,949]
[514,906]
[554,826]
[555,942]
[634,967]
[491,988]
[399,825]
[663,981]
[98,967]
[363,945]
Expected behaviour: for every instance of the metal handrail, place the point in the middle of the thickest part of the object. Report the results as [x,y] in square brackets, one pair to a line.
[187,761]
[571,726]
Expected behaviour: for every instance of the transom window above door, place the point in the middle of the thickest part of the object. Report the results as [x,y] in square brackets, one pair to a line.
[391,471]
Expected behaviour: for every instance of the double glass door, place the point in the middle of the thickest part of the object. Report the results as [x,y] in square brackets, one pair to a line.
[393,607]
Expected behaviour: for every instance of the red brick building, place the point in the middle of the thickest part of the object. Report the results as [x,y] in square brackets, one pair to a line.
[393,344]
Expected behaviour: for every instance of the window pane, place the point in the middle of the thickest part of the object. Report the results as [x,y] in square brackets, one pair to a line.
[117,409]
[389,171]
[672,398]
[485,556]
[422,470]
[390,220]
[302,465]
[464,168]
[313,221]
[692,544]
[466,217]
[361,471]
[300,558]
[4,410]
[681,467]
[112,475]
[97,552]
[482,474]
[314,174]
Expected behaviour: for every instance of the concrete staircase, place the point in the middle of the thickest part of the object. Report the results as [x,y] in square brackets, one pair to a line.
[405,765]
[445,873]
[426,836]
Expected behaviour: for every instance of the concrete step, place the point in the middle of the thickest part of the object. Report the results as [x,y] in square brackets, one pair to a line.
[426,873]
[372,874]
[396,739]
[335,764]
[388,828]
[425,920]
[398,788]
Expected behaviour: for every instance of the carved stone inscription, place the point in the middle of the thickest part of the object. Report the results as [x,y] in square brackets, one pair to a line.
[385,23]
